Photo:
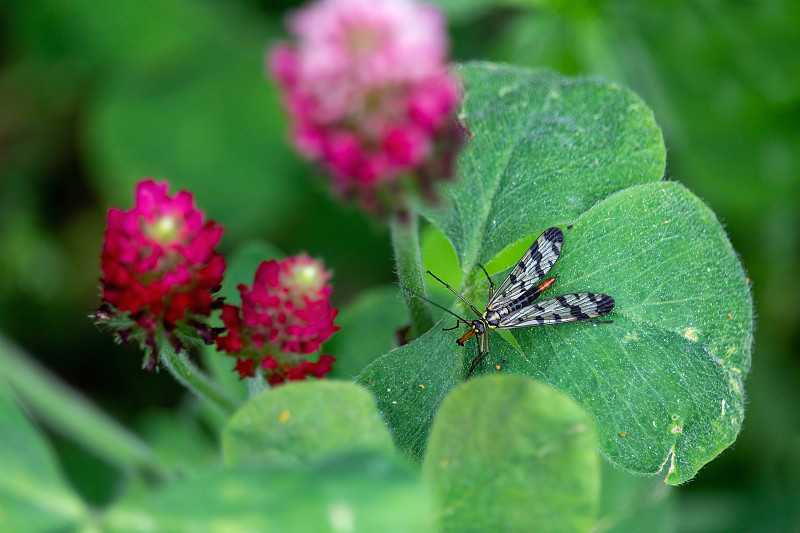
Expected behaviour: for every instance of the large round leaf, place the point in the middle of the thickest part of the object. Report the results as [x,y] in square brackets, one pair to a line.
[544,147]
[304,421]
[509,454]
[664,381]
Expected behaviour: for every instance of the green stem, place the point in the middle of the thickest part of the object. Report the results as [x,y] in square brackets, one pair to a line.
[257,385]
[191,377]
[410,273]
[71,414]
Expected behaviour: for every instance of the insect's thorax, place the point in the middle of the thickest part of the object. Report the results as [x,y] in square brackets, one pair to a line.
[492,318]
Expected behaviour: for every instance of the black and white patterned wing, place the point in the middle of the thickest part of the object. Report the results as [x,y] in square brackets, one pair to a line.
[530,270]
[566,308]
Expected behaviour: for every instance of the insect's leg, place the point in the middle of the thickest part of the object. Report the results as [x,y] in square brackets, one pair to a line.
[451,329]
[491,285]
[477,360]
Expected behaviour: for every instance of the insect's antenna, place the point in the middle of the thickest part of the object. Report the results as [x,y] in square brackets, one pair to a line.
[491,285]
[439,306]
[456,293]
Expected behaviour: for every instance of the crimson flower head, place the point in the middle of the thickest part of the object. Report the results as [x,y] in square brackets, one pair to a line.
[285,315]
[370,95]
[160,267]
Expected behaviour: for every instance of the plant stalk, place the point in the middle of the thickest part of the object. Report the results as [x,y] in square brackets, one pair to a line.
[410,272]
[257,385]
[191,377]
[73,415]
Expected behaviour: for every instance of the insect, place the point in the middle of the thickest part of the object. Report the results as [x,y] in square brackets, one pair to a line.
[514,304]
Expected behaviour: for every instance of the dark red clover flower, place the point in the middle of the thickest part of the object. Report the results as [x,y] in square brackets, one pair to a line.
[285,315]
[370,95]
[160,267]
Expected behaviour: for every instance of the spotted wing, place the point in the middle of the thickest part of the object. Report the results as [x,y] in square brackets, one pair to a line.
[566,308]
[530,270]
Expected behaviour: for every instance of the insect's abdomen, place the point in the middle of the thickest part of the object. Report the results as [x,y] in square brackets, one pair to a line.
[527,297]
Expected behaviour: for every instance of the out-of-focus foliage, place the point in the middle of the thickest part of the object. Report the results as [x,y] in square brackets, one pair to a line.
[96,94]
[482,456]
[293,425]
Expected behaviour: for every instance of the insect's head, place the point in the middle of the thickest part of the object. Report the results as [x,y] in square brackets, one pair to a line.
[477,327]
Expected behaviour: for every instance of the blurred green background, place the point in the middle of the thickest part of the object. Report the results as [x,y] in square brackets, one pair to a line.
[96,94]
